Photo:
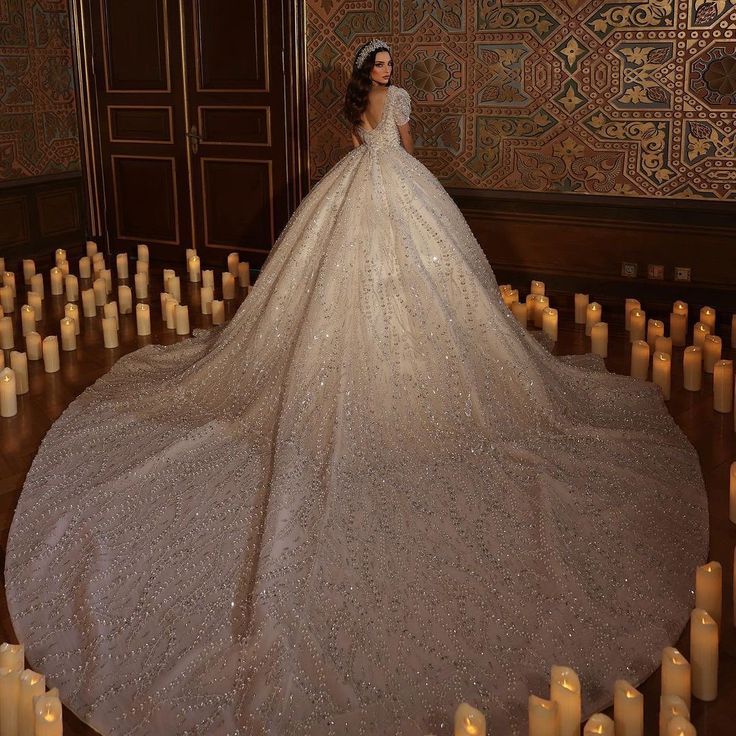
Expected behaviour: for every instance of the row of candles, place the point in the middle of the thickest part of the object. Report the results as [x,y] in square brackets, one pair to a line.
[648,342]
[26,709]
[14,378]
[560,715]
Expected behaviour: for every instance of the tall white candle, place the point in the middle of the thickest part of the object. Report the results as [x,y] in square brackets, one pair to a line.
[143,267]
[469,721]
[7,299]
[663,345]
[71,286]
[9,280]
[549,322]
[85,268]
[709,589]
[47,709]
[676,676]
[711,352]
[195,272]
[91,248]
[565,691]
[142,252]
[34,346]
[531,306]
[125,299]
[37,284]
[68,334]
[637,325]
[7,341]
[208,278]
[692,359]
[182,319]
[32,685]
[29,269]
[655,328]
[723,386]
[639,357]
[188,253]
[59,256]
[111,310]
[141,285]
[110,332]
[121,265]
[662,373]
[143,319]
[9,699]
[680,307]
[167,273]
[581,308]
[678,329]
[12,656]
[599,339]
[628,306]
[35,301]
[19,366]
[599,724]
[708,316]
[537,287]
[679,726]
[51,354]
[205,297]
[542,302]
[700,330]
[593,315]
[56,278]
[27,319]
[106,276]
[233,260]
[8,395]
[174,287]
[704,654]
[244,278]
[228,286]
[170,314]
[218,312]
[100,291]
[628,709]
[520,312]
[89,303]
[670,706]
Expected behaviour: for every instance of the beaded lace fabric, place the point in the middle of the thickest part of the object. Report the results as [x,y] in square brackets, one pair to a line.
[370,496]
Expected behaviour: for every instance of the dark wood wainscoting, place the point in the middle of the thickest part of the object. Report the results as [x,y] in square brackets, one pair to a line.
[39,215]
[578,243]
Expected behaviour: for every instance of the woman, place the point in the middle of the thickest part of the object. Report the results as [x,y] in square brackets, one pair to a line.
[370,496]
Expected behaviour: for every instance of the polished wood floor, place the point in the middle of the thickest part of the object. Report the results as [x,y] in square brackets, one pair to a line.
[710,432]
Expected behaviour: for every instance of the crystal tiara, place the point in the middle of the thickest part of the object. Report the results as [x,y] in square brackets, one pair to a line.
[375,43]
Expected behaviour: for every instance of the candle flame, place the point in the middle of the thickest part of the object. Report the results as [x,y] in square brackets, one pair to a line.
[49,716]
[470,727]
[630,693]
[567,685]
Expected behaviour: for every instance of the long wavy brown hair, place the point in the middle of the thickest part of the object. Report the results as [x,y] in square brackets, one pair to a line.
[356,94]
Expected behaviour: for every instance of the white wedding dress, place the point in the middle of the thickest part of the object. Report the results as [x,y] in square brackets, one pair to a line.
[368,497]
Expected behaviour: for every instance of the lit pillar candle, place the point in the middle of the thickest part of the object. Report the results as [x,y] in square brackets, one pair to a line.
[581,308]
[700,330]
[12,656]
[9,280]
[100,291]
[679,726]
[639,359]
[125,299]
[51,354]
[32,685]
[7,341]
[85,268]
[9,699]
[188,253]
[205,297]
[33,346]
[233,260]
[708,317]
[56,276]
[91,248]
[121,265]
[565,691]
[593,315]
[628,709]
[680,307]
[228,286]
[628,306]
[676,676]
[27,319]
[170,315]
[469,721]
[174,287]
[47,709]
[7,300]
[732,504]
[637,325]
[544,717]
[71,285]
[166,274]
[663,344]
[678,329]
[72,311]
[19,366]
[111,310]
[37,284]
[195,270]
[35,301]
[218,312]
[143,319]
[711,352]
[662,373]
[142,252]
[89,304]
[59,255]
[68,334]
[709,589]
[599,724]
[106,276]
[208,278]
[531,306]
[599,339]
[670,706]
[723,386]
[141,286]
[541,303]
[520,312]
[704,655]
[537,287]
[549,322]
[655,328]
[244,277]
[509,297]
[143,267]
[29,269]
[182,319]
[8,395]
[692,361]
[110,332]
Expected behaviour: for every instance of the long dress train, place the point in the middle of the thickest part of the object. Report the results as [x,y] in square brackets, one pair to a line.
[368,497]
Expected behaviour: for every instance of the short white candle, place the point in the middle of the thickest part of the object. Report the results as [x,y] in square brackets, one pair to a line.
[7,341]
[143,319]
[122,266]
[655,328]
[599,339]
[244,277]
[723,386]
[37,284]
[537,287]
[8,395]
[520,312]
[218,312]
[125,299]
[85,268]
[711,352]
[637,325]
[541,303]
[9,699]
[676,677]
[509,297]
[174,287]
[71,286]
[692,359]
[182,319]
[628,306]
[72,311]
[599,724]
[704,655]
[29,269]
[7,299]
[206,296]
[32,685]
[170,313]
[663,345]
[195,272]
[679,726]
[469,721]
[89,304]
[709,589]
[51,354]
[593,315]
[549,322]
[166,274]
[662,373]
[141,285]
[732,504]
[544,717]
[639,358]
[48,715]
[100,291]
[671,706]
[33,346]
[228,286]
[110,332]
[56,277]
[111,310]
[27,319]
[142,252]
[233,260]
[91,248]
[565,691]
[68,334]
[208,278]
[628,709]
[700,330]
[581,308]
[19,366]
[708,317]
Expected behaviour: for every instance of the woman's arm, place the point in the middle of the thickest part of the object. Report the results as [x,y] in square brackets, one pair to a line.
[407,139]
[356,142]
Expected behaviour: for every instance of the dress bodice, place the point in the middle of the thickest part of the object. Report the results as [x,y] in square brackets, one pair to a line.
[396,111]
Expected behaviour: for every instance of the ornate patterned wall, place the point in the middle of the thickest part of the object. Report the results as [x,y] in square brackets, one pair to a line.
[38,123]
[619,98]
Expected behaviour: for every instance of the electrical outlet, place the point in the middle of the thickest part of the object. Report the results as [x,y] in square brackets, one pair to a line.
[682,273]
[655,271]
[630,270]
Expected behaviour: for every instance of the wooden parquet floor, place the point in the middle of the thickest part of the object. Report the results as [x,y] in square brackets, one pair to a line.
[711,433]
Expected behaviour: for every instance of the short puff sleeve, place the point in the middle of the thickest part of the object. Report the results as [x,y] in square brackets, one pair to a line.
[402,106]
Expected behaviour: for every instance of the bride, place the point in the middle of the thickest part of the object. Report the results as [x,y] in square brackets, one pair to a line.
[370,496]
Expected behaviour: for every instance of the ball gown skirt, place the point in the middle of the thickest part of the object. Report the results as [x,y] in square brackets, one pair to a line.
[368,497]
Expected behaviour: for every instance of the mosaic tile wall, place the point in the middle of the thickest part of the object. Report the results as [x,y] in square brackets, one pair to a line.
[38,123]
[589,97]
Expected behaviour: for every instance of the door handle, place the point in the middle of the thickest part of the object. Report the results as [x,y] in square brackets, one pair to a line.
[194,139]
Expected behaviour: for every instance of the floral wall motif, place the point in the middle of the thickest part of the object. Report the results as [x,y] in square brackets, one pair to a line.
[584,96]
[38,120]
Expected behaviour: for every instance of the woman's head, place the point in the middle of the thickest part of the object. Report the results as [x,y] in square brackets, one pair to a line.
[372,66]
